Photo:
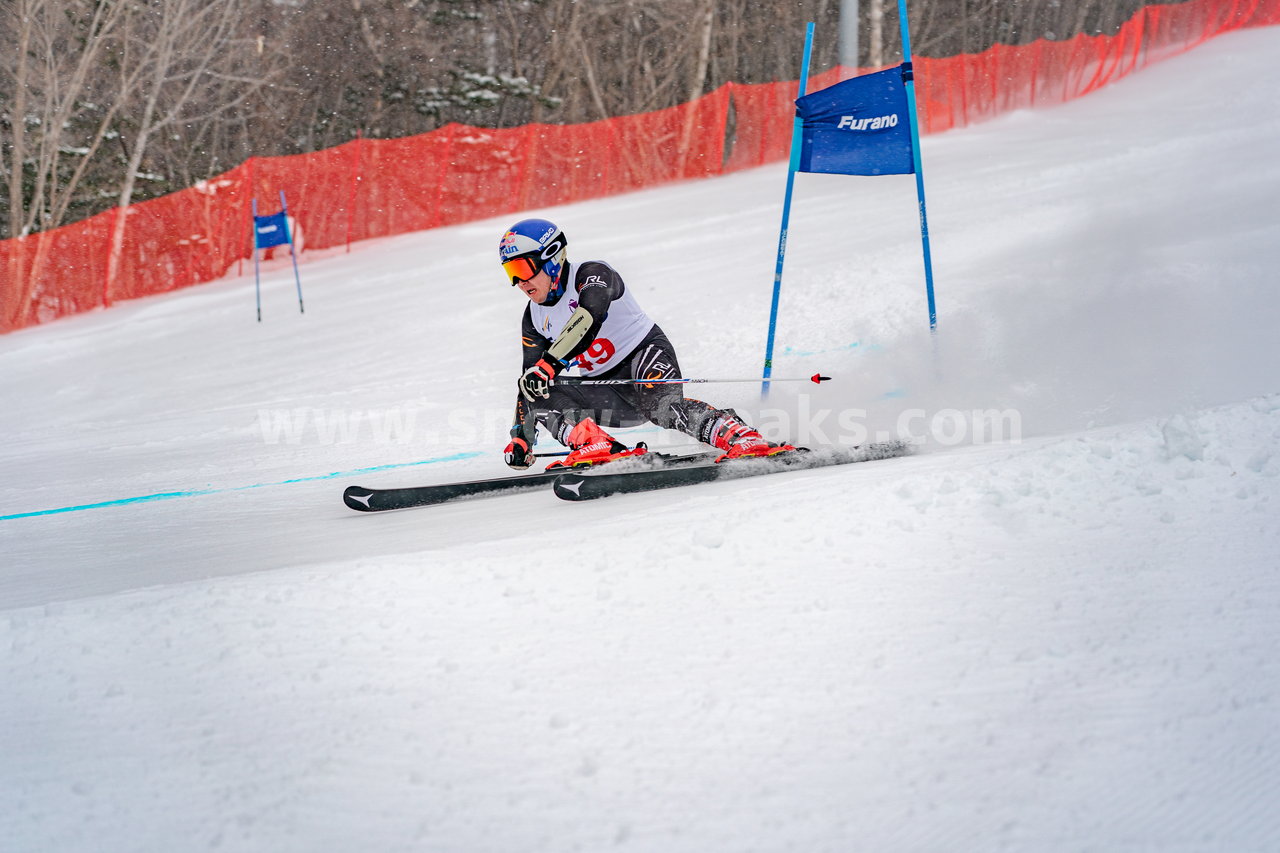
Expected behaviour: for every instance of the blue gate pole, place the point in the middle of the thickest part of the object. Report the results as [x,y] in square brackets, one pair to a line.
[293,250]
[797,130]
[908,81]
[257,280]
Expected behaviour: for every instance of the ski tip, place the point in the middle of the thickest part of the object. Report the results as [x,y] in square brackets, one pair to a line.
[569,487]
[818,377]
[357,498]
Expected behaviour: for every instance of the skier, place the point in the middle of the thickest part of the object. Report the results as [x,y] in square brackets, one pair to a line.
[584,315]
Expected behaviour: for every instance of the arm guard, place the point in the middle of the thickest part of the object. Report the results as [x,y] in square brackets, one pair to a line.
[578,334]
[597,287]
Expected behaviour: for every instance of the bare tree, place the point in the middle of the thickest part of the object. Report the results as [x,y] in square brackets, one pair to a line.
[60,46]
[875,33]
[188,60]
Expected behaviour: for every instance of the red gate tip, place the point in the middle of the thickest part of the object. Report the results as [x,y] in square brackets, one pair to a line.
[818,377]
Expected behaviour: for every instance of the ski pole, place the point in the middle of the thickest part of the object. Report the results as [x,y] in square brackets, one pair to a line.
[573,380]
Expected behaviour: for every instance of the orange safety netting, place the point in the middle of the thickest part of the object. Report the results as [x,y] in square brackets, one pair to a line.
[374,188]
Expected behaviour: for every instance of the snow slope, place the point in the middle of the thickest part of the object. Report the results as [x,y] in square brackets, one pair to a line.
[1061,642]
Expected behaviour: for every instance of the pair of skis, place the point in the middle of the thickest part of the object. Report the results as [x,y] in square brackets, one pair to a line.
[377,500]
[645,473]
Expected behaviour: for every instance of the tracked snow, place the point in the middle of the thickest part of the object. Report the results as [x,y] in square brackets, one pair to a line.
[1061,641]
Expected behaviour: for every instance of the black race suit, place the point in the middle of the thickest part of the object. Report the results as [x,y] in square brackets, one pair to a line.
[654,357]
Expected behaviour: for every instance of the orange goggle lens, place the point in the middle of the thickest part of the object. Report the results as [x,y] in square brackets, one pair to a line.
[520,269]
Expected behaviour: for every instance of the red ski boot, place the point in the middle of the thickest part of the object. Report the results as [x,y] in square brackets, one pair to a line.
[740,441]
[593,446]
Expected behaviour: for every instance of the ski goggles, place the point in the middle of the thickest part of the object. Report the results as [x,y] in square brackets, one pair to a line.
[522,268]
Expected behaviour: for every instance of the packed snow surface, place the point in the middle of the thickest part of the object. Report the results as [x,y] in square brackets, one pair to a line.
[1053,627]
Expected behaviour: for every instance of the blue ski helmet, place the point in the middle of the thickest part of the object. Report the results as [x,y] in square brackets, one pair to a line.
[532,245]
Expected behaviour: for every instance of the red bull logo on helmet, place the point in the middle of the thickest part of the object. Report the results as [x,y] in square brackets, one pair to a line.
[510,245]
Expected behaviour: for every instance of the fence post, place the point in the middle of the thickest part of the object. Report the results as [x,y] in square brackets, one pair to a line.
[111,256]
[357,152]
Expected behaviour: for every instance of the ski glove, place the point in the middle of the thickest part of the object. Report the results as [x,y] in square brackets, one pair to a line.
[517,454]
[535,384]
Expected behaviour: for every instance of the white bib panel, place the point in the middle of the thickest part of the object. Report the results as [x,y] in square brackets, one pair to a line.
[624,327]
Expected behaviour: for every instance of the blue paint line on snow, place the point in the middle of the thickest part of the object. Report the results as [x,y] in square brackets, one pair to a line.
[791,351]
[168,496]
[161,496]
[457,457]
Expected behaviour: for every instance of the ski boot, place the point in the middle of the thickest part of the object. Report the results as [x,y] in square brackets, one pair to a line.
[590,445]
[739,441]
